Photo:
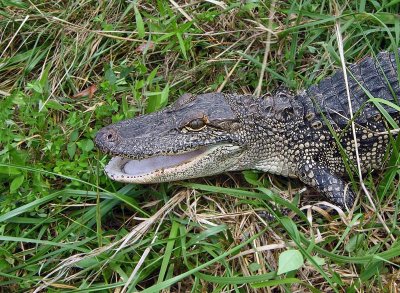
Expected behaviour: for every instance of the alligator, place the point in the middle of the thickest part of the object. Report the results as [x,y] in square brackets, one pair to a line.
[306,135]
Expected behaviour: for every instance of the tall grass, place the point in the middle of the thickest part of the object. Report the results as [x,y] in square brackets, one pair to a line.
[69,68]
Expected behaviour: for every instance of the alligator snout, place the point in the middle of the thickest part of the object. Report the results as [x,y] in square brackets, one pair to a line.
[107,138]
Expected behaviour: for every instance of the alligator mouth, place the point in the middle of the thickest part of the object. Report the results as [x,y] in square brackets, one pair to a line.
[149,170]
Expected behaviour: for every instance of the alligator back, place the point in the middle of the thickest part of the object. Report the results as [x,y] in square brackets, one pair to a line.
[378,76]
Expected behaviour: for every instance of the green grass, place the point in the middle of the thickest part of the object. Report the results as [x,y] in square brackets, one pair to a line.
[65,225]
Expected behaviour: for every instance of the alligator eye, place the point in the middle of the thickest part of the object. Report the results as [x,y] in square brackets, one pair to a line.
[196,124]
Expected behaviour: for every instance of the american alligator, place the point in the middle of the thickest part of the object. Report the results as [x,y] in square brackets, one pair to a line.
[305,135]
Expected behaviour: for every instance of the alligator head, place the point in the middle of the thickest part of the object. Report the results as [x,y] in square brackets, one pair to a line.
[196,136]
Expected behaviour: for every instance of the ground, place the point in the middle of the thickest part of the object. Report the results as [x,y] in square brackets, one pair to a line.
[68,68]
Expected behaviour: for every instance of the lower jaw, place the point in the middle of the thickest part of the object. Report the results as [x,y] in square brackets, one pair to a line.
[196,165]
[141,167]
[149,170]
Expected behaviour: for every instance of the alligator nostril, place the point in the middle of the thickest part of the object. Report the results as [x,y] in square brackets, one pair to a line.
[107,138]
[111,136]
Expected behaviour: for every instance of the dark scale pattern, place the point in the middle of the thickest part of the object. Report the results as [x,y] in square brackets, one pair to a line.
[330,94]
[284,134]
[327,102]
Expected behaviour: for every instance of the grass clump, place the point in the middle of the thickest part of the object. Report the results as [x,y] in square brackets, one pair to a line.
[69,68]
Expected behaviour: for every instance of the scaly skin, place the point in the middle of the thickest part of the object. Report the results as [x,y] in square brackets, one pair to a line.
[283,134]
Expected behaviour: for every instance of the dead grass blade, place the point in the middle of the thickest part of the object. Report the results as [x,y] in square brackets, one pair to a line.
[353,128]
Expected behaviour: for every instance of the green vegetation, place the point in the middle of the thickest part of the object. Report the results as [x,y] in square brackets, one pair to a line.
[68,68]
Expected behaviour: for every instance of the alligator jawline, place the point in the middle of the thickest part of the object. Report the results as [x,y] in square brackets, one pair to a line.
[130,168]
